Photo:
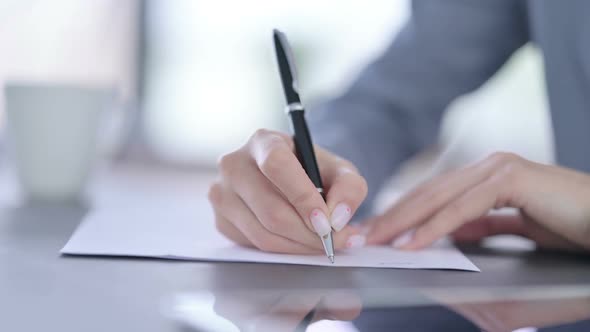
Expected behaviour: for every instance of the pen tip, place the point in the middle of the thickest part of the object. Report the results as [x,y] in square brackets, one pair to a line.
[331,259]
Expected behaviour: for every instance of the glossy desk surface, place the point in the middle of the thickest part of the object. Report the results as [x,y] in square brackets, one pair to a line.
[43,291]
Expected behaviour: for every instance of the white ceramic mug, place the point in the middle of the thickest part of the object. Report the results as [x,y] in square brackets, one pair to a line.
[53,132]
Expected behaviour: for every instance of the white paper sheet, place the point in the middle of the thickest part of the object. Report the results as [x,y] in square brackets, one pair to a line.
[170,232]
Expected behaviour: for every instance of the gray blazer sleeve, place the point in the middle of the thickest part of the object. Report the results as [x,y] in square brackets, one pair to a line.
[393,109]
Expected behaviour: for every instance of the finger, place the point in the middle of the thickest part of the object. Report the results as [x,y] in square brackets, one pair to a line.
[287,313]
[423,187]
[340,305]
[226,228]
[276,160]
[346,190]
[234,210]
[420,204]
[490,225]
[546,238]
[272,210]
[277,215]
[223,225]
[240,306]
[473,204]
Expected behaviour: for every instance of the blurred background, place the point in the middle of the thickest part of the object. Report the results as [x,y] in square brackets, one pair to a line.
[195,78]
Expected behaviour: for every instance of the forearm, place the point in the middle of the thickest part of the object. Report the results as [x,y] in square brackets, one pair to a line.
[393,109]
[375,140]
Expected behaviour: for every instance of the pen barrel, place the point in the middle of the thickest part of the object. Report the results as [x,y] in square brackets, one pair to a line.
[304,148]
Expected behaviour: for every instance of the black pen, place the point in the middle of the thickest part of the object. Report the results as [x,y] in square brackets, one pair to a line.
[301,136]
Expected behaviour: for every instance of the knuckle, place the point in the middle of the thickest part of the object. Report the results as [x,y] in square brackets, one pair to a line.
[228,162]
[502,158]
[363,186]
[215,194]
[510,171]
[264,141]
[507,176]
[507,166]
[357,187]
[266,138]
[261,134]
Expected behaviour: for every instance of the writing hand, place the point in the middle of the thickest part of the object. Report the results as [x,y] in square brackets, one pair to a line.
[264,198]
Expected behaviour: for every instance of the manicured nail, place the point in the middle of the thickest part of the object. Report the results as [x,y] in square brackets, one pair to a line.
[356,241]
[340,216]
[320,223]
[403,239]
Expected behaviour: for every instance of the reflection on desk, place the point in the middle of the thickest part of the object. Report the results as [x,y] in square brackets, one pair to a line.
[105,294]
[503,309]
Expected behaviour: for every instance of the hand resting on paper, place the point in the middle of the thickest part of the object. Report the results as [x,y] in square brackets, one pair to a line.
[554,205]
[265,200]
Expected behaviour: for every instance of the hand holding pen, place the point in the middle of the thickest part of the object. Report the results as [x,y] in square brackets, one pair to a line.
[266,199]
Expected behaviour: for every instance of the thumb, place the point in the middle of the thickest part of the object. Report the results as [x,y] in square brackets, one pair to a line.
[490,225]
[346,189]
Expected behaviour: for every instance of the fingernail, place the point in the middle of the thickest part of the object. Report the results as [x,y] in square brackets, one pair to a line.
[403,239]
[340,216]
[356,241]
[320,223]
